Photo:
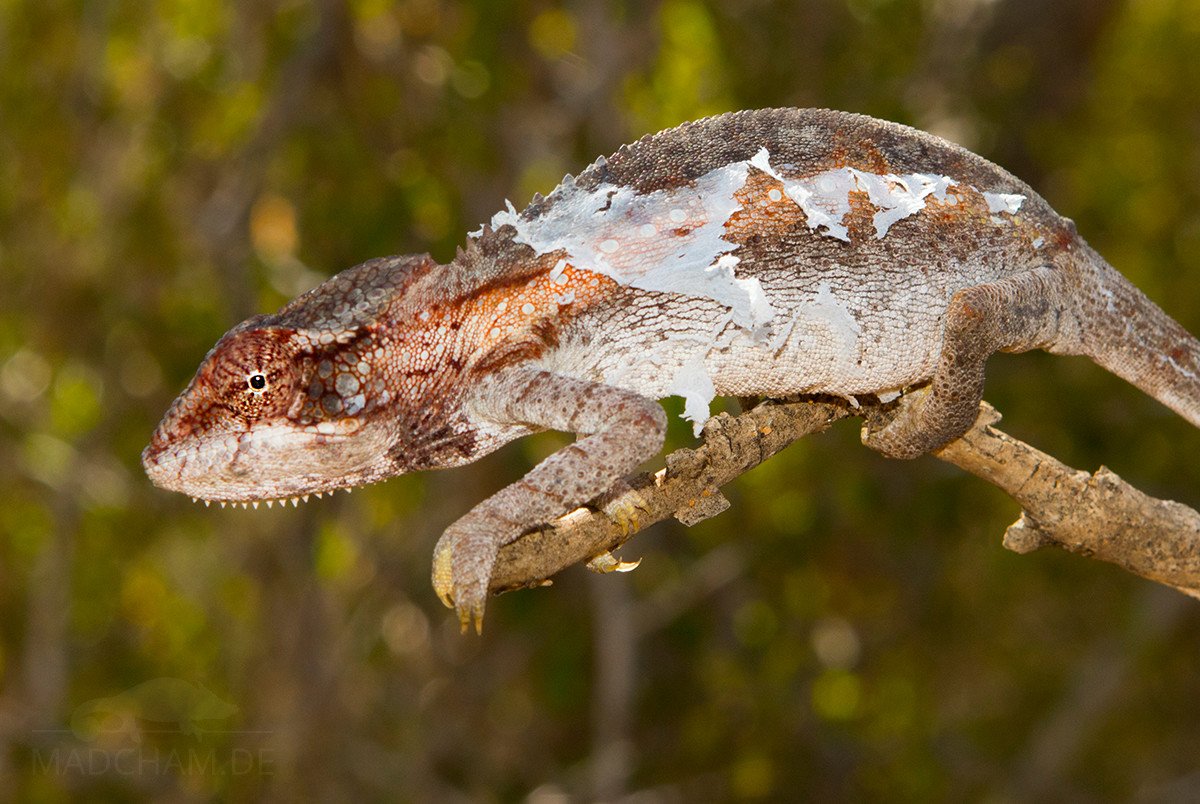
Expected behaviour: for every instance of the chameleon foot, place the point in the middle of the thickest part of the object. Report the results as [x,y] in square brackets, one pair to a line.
[460,578]
[923,421]
[623,506]
[896,433]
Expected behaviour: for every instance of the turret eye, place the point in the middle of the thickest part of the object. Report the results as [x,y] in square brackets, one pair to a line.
[257,381]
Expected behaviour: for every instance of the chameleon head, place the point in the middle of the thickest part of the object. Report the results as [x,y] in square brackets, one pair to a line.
[271,413]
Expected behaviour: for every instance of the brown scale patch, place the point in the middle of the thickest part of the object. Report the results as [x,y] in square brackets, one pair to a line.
[953,220]
[766,210]
[872,158]
[943,213]
[1063,237]
[859,153]
[860,221]
[970,209]
[971,214]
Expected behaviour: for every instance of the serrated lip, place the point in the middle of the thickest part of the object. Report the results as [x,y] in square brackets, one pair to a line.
[270,502]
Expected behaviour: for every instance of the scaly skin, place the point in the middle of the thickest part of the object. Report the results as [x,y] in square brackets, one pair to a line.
[766,253]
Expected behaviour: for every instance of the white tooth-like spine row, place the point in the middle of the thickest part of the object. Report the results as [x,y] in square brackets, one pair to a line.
[295,501]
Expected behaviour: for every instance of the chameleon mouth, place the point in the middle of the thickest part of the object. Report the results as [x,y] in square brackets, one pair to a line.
[277,465]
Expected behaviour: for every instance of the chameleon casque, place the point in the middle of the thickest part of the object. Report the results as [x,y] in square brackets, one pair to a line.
[762,253]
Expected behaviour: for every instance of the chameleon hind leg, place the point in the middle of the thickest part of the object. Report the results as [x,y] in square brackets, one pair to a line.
[1015,314]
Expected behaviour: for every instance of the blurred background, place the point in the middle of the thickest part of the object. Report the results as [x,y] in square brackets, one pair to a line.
[851,628]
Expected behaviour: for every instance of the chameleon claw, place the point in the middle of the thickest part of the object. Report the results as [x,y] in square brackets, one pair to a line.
[468,615]
[443,580]
[466,595]
[607,562]
[625,517]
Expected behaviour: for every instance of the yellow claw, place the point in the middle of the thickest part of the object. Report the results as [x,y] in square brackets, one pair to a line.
[607,562]
[468,615]
[443,581]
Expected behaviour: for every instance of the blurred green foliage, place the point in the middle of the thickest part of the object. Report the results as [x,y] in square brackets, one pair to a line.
[851,628]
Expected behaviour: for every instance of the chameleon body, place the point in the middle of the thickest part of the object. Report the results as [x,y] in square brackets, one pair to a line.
[767,253]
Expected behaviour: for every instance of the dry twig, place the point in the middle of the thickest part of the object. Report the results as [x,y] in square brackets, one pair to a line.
[1098,515]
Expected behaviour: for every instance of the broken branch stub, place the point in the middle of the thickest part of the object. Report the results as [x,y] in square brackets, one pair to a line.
[1095,515]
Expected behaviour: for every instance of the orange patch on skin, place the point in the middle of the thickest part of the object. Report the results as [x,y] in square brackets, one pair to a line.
[860,221]
[504,322]
[971,213]
[970,204]
[875,161]
[765,210]
[1063,238]
[507,311]
[971,208]
[860,154]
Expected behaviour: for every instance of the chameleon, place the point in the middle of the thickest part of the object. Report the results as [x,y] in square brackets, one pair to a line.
[767,253]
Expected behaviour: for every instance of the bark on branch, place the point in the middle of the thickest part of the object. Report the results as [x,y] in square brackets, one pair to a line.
[1097,515]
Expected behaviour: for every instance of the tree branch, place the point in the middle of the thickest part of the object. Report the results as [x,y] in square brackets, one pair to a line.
[1098,515]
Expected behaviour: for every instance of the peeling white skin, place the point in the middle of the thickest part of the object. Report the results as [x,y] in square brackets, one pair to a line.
[900,196]
[693,383]
[828,320]
[1004,202]
[825,197]
[771,332]
[825,200]
[670,240]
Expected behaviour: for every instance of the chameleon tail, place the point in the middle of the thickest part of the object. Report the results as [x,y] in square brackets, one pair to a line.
[1132,337]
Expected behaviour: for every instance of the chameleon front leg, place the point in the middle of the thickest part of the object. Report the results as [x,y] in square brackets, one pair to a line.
[623,430]
[1021,312]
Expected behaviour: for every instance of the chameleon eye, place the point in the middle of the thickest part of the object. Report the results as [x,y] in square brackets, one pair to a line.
[257,381]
